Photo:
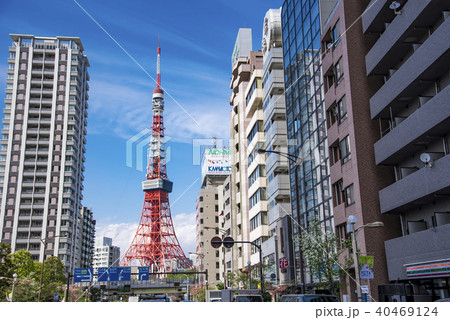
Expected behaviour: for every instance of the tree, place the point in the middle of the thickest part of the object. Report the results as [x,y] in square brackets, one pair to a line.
[220,286]
[320,250]
[23,265]
[6,271]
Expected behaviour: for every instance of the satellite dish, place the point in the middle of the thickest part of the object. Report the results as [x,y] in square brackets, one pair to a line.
[425,158]
[394,5]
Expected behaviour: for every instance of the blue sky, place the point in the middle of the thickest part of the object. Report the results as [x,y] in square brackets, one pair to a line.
[197,39]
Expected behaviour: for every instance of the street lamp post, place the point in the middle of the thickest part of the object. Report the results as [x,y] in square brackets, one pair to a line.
[351,228]
[201,255]
[297,160]
[14,283]
[44,242]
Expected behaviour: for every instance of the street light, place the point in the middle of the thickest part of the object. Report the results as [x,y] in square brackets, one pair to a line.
[201,255]
[44,242]
[351,229]
[14,283]
[297,160]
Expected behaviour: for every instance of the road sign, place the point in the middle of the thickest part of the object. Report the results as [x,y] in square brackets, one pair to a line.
[143,273]
[114,274]
[83,275]
[283,263]
[365,289]
[228,242]
[56,297]
[216,242]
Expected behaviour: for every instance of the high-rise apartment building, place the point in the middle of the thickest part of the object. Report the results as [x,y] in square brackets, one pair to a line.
[279,244]
[105,254]
[411,59]
[247,135]
[306,124]
[43,146]
[87,238]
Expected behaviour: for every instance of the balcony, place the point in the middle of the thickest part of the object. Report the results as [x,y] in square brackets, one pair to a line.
[274,83]
[274,59]
[429,62]
[417,188]
[261,182]
[254,102]
[278,211]
[375,16]
[275,109]
[403,35]
[427,123]
[279,187]
[423,248]
[276,163]
[276,131]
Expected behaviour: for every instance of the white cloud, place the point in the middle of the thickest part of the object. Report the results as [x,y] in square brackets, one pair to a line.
[123,110]
[122,233]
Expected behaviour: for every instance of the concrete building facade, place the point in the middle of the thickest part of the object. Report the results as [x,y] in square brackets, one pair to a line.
[279,243]
[105,254]
[87,239]
[43,146]
[411,58]
[247,135]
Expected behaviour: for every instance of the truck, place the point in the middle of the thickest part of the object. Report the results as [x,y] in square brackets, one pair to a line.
[241,295]
[213,295]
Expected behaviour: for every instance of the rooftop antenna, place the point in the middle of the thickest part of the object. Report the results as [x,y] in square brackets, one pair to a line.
[394,6]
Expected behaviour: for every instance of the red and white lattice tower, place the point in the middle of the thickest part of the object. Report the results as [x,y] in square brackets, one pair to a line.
[155,243]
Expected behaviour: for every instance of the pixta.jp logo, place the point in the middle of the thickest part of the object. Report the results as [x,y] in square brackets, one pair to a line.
[137,150]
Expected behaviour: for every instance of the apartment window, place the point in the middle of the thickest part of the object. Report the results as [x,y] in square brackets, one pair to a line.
[217,276]
[341,109]
[344,147]
[257,196]
[216,196]
[348,195]
[338,193]
[338,71]
[260,171]
[201,198]
[217,253]
[258,127]
[258,220]
[201,221]
[336,33]
[217,265]
[201,209]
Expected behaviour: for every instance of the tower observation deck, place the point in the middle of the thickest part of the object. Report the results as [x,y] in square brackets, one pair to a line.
[155,243]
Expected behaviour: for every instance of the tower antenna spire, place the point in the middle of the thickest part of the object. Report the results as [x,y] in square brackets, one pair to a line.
[155,243]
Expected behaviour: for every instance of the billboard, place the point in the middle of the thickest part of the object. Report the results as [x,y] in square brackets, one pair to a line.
[216,162]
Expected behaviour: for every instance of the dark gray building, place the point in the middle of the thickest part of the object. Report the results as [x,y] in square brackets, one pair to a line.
[412,57]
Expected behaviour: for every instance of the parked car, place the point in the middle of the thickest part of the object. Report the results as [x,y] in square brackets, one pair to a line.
[309,298]
[443,300]
[247,298]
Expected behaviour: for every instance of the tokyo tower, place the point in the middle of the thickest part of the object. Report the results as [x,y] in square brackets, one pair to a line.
[155,243]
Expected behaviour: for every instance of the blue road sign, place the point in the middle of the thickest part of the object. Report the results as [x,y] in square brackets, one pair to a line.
[114,274]
[83,275]
[143,273]
[103,274]
[56,297]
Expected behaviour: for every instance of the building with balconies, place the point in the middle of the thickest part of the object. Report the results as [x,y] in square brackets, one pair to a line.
[279,243]
[411,59]
[248,199]
[43,146]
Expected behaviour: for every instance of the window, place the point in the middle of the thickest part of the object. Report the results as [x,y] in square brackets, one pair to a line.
[257,196]
[348,196]
[258,127]
[338,193]
[260,171]
[258,220]
[336,33]
[344,147]
[217,265]
[201,198]
[341,109]
[201,221]
[216,196]
[338,71]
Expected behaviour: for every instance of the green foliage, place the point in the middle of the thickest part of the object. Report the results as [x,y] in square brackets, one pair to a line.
[241,279]
[322,257]
[23,265]
[220,286]
[6,271]
[54,271]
